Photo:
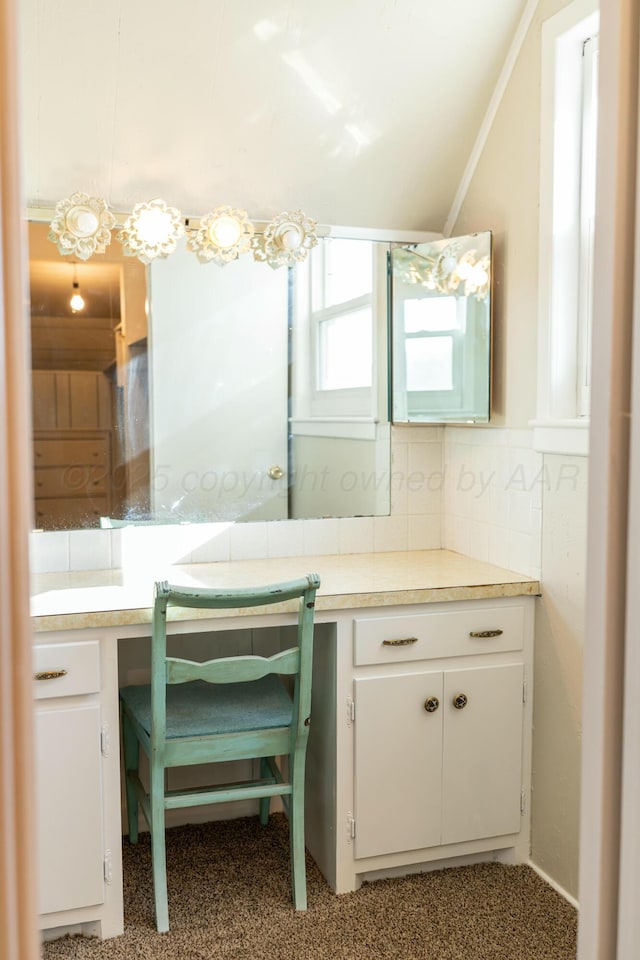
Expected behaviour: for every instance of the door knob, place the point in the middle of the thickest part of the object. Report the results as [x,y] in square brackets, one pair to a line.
[276,472]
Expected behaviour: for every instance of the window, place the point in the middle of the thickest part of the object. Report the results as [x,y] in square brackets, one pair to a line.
[343,282]
[587,219]
[567,202]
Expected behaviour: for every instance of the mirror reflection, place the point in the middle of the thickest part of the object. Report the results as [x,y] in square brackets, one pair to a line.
[186,392]
[441,330]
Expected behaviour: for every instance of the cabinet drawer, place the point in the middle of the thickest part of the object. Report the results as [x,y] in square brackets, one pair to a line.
[69,451]
[427,636]
[68,512]
[80,661]
[70,481]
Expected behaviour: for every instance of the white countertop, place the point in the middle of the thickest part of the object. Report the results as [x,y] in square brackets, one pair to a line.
[65,601]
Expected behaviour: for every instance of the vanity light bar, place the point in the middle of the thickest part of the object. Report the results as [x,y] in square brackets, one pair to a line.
[82,225]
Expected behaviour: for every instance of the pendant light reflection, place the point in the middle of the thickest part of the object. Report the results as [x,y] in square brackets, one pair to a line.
[152,231]
[223,235]
[76,302]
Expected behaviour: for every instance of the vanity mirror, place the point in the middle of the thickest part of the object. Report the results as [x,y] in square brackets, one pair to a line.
[441,330]
[185,392]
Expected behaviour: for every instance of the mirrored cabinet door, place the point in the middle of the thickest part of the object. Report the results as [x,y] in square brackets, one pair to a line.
[440,294]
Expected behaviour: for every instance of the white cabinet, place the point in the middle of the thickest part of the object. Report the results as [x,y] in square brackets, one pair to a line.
[441,732]
[76,745]
[428,772]
[69,808]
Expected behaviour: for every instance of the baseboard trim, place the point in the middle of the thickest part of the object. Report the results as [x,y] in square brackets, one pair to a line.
[556,886]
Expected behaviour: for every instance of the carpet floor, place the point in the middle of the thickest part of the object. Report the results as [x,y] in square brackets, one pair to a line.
[229,900]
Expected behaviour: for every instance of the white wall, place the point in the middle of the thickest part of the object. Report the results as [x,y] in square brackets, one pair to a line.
[504,196]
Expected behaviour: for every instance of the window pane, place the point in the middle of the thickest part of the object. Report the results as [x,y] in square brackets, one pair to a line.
[346,351]
[430,314]
[349,270]
[429,363]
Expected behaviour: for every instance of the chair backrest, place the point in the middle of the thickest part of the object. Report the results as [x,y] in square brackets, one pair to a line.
[295,661]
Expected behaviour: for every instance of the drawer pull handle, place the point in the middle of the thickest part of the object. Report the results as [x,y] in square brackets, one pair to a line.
[431,704]
[486,633]
[460,701]
[404,642]
[50,674]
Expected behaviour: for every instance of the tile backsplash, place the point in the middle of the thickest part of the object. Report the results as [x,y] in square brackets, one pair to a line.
[477,491]
[492,497]
[416,488]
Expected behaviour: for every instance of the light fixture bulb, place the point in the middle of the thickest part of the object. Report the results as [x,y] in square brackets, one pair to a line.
[225,232]
[152,231]
[82,226]
[222,236]
[77,300]
[291,238]
[286,240]
[154,226]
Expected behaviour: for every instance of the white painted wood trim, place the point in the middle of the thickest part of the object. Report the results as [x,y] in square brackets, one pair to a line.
[568,437]
[17,808]
[336,427]
[599,930]
[490,115]
[628,914]
[556,886]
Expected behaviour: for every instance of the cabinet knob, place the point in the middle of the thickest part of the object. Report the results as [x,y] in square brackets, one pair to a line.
[460,701]
[431,704]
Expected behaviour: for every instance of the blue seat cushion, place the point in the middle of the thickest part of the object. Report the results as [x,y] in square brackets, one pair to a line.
[198,708]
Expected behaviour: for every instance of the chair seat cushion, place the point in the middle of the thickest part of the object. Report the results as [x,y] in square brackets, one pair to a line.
[198,708]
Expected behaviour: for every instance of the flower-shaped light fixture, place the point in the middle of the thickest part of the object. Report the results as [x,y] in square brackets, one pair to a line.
[82,226]
[448,271]
[474,274]
[152,231]
[222,236]
[286,240]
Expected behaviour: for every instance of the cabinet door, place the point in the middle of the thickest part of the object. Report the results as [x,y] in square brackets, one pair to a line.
[482,753]
[398,763]
[69,808]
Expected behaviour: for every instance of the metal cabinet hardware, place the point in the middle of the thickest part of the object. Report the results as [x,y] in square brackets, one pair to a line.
[50,674]
[485,633]
[460,701]
[431,704]
[276,472]
[405,641]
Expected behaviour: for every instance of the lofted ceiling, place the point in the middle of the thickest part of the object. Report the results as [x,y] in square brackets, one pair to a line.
[360,112]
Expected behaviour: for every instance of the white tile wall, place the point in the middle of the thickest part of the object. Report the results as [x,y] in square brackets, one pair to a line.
[474,490]
[416,483]
[492,502]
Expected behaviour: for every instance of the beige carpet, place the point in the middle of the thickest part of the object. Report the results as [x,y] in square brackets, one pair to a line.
[229,899]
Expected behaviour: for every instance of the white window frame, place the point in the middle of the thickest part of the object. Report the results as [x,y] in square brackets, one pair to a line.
[352,401]
[560,425]
[303,421]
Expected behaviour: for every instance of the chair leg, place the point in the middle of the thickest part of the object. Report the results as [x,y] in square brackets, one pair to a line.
[296,834]
[265,802]
[131,746]
[158,848]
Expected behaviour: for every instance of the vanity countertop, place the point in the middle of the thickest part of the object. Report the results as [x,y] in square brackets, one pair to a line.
[105,598]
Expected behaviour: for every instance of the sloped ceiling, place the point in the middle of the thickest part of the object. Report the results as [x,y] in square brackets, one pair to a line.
[360,112]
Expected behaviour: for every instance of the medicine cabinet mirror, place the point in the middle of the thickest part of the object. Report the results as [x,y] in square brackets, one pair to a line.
[441,330]
[187,392]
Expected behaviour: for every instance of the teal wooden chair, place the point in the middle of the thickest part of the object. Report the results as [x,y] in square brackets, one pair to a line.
[232,708]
